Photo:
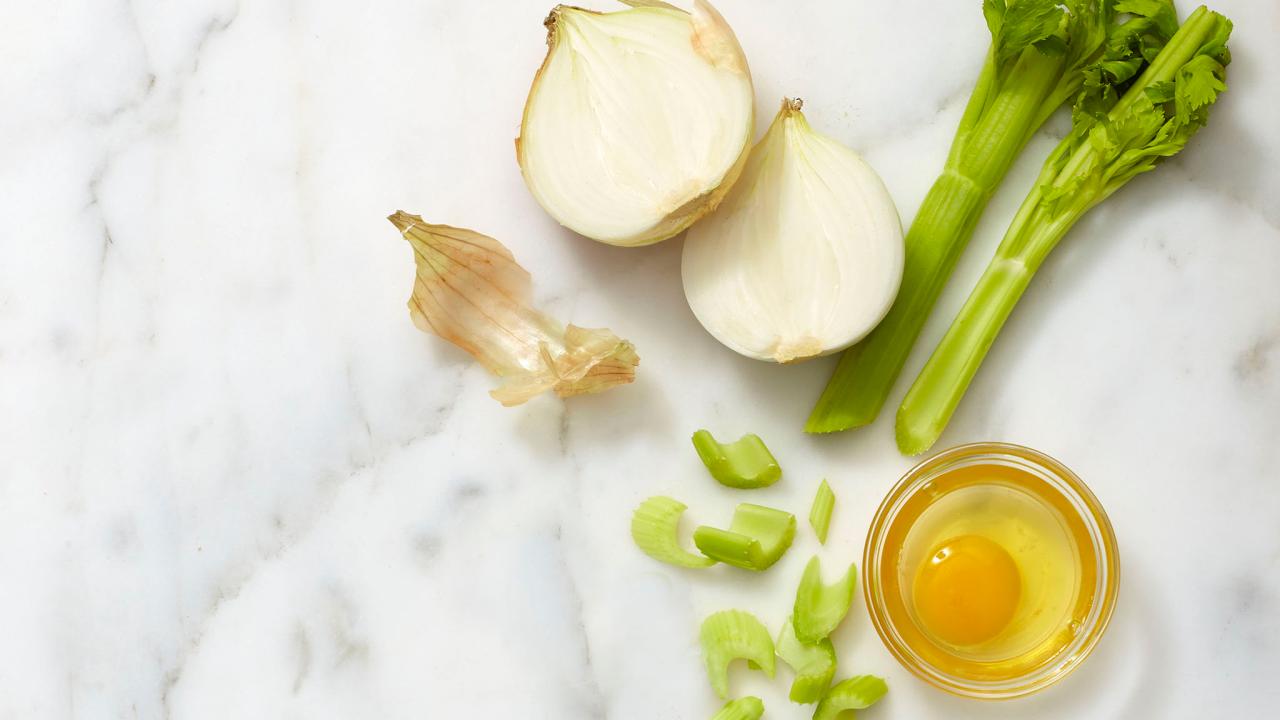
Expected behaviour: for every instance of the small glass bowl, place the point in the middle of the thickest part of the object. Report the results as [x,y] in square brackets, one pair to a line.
[1093,536]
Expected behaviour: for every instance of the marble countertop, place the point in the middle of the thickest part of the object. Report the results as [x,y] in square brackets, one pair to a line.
[235,482]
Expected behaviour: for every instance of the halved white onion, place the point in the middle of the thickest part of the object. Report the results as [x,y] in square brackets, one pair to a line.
[804,257]
[638,121]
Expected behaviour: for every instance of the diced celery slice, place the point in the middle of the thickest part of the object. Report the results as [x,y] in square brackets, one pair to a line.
[820,608]
[731,635]
[820,512]
[746,463]
[654,529]
[747,708]
[730,547]
[757,537]
[814,665]
[856,693]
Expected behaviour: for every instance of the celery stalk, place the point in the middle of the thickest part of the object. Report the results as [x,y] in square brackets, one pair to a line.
[932,399]
[1108,146]
[1037,51]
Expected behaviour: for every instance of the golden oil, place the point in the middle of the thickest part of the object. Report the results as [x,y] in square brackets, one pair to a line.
[987,571]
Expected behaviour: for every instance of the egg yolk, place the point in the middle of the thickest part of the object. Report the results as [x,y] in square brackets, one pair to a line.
[967,590]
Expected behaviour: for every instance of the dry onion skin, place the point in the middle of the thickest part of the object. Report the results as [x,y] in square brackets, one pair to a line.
[638,122]
[470,291]
[804,257]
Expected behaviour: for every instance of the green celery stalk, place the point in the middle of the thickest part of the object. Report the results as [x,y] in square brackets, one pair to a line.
[1037,51]
[1112,141]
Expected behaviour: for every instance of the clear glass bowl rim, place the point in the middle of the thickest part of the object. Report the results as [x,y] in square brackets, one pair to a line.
[1106,557]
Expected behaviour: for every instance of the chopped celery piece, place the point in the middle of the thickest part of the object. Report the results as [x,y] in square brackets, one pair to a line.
[654,526]
[814,665]
[732,635]
[857,693]
[756,537]
[1122,127]
[730,548]
[820,512]
[747,708]
[820,608]
[744,464]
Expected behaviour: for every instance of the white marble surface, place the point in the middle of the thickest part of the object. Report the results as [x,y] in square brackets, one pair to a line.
[235,482]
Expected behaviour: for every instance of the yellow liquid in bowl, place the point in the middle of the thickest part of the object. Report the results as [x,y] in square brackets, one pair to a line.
[983,572]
